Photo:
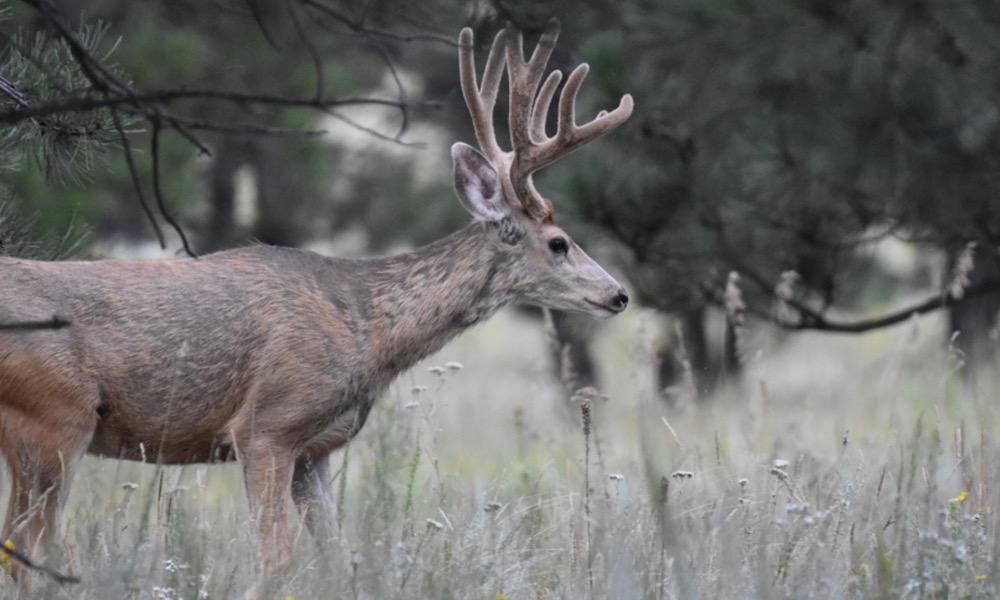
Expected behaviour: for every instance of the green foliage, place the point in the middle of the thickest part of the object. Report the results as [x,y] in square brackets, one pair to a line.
[54,165]
[67,146]
[18,235]
[181,52]
[787,136]
[606,55]
[296,52]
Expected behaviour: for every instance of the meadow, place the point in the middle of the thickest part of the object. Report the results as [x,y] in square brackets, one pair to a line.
[841,467]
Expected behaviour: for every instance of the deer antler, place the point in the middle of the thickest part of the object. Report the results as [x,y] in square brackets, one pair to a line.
[531,147]
[482,100]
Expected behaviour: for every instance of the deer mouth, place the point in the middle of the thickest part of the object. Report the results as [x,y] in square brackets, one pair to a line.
[606,309]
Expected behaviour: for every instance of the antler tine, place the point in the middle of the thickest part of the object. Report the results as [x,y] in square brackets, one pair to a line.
[539,116]
[533,147]
[524,79]
[570,136]
[481,100]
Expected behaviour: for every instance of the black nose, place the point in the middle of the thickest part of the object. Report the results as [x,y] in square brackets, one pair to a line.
[623,298]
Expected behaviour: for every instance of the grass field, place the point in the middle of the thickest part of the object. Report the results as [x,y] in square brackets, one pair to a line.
[843,467]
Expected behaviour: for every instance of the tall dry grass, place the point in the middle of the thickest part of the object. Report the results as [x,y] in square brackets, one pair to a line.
[856,467]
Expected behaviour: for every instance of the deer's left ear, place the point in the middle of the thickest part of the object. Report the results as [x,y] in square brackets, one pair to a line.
[478,185]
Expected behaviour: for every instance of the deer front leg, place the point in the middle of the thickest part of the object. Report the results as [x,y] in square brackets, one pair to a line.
[268,480]
[313,499]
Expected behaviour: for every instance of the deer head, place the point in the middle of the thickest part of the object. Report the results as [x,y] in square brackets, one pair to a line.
[496,187]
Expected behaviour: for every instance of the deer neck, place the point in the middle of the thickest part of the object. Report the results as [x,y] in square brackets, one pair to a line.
[423,299]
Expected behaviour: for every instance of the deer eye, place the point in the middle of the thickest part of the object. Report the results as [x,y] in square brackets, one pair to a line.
[559,245]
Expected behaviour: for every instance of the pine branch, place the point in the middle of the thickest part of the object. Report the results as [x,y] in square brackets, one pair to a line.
[147,103]
[101,89]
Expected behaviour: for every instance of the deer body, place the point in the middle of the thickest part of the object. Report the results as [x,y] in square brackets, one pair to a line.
[180,361]
[267,355]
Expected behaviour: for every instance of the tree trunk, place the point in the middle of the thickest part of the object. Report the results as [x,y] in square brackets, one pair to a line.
[277,196]
[276,201]
[229,155]
[570,348]
[732,351]
[975,320]
[693,336]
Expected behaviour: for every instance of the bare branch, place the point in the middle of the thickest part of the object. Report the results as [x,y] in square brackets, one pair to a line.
[84,102]
[360,29]
[28,563]
[356,29]
[375,133]
[310,47]
[101,78]
[154,143]
[56,322]
[818,322]
[134,174]
[12,91]
[243,128]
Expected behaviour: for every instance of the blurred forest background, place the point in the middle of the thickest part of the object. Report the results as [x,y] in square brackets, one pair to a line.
[812,164]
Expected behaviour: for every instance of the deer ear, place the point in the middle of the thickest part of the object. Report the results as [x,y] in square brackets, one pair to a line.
[478,184]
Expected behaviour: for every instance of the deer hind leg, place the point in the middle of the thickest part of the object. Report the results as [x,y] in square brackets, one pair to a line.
[268,479]
[40,481]
[17,508]
[313,499]
[44,430]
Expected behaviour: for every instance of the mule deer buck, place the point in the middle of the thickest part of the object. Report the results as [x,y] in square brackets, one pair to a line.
[274,356]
